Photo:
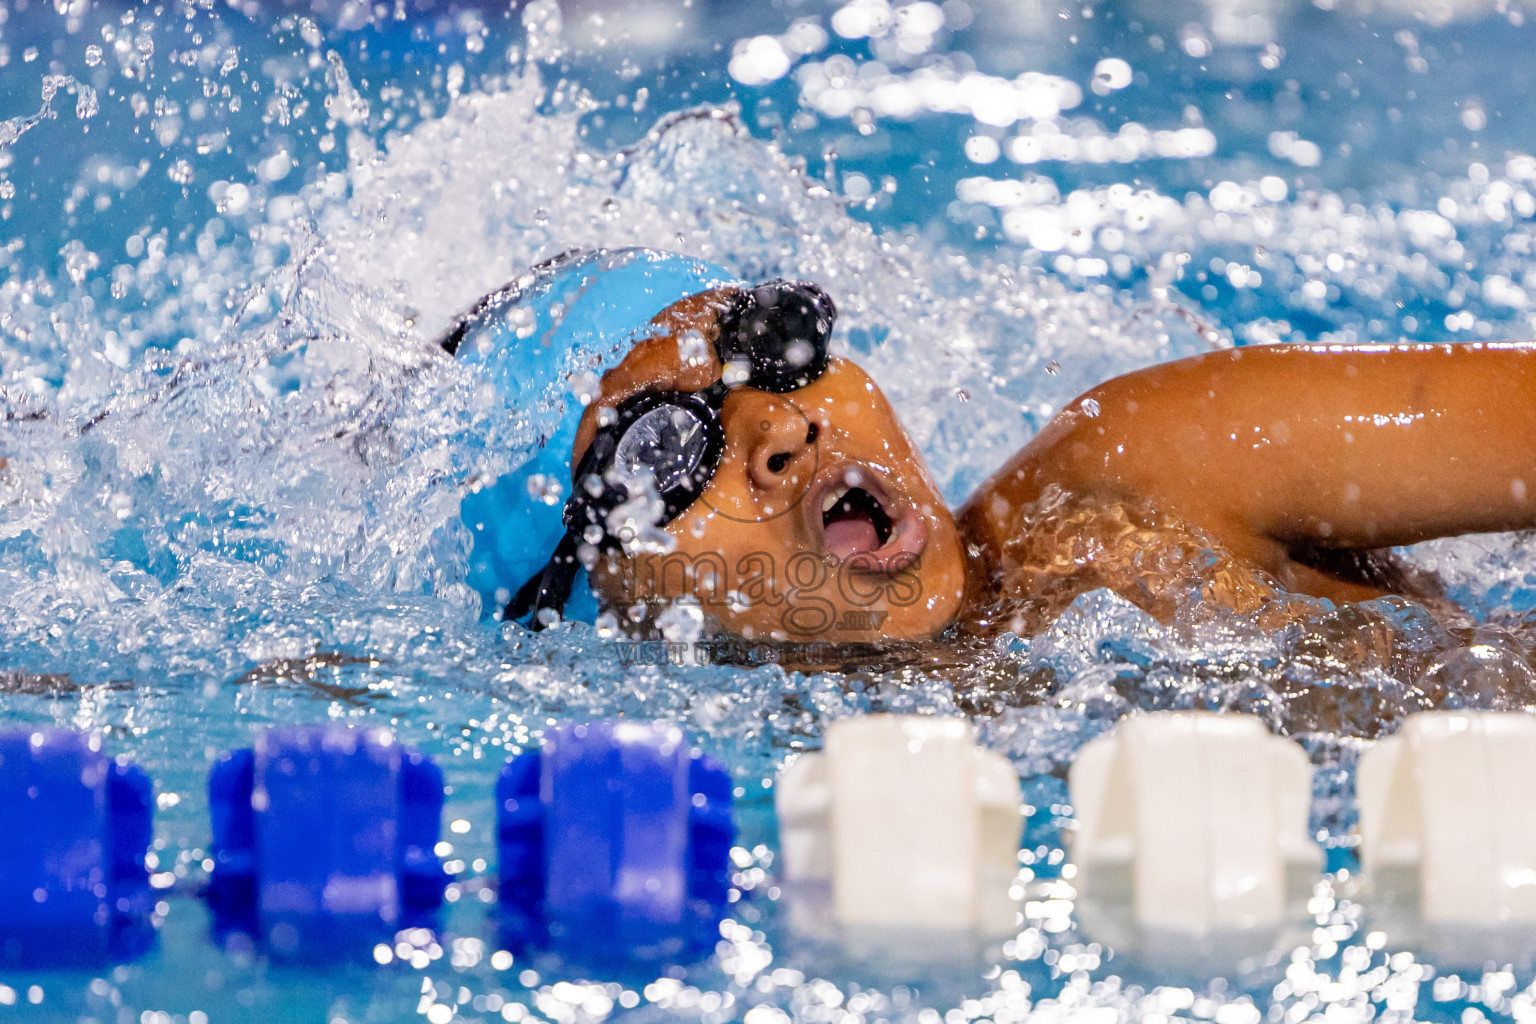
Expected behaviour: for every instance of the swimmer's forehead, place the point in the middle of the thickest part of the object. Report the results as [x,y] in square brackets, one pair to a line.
[679,355]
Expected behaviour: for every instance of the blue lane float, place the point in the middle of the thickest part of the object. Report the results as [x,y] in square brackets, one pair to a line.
[73,886]
[614,840]
[323,840]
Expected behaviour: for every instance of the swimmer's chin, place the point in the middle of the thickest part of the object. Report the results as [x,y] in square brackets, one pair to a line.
[833,651]
[734,638]
[880,625]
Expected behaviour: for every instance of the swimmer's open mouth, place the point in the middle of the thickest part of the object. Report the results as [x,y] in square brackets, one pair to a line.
[859,517]
[854,518]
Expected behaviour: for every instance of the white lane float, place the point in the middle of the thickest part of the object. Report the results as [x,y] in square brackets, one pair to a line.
[1448,835]
[1192,836]
[902,824]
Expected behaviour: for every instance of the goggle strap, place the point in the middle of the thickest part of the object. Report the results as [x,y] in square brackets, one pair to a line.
[550,587]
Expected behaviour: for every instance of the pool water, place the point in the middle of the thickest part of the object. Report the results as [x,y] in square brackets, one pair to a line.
[230,459]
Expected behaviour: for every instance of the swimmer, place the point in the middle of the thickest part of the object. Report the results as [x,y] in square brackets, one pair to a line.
[795,507]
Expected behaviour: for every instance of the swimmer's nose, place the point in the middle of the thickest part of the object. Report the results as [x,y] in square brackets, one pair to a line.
[783,455]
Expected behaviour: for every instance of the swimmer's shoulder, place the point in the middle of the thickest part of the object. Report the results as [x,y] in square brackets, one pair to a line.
[1114,493]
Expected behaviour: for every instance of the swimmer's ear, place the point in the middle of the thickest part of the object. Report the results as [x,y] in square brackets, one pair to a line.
[780,330]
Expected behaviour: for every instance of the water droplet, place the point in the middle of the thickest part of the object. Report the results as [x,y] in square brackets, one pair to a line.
[544,488]
[544,25]
[78,260]
[1110,75]
[1491,673]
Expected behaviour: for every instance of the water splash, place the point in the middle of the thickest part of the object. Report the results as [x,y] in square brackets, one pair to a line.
[230,464]
[15,127]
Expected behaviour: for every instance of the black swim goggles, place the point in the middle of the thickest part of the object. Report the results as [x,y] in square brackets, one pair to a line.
[773,338]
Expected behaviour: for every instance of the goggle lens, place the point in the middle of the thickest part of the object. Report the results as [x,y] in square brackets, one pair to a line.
[667,443]
[780,331]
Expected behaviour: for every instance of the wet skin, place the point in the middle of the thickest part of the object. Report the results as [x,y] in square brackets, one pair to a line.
[755,549]
[1262,454]
[1278,450]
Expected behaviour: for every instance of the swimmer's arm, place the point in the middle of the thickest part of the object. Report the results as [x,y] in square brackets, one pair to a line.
[1271,448]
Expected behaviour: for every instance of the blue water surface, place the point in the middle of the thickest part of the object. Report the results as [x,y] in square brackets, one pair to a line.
[231,459]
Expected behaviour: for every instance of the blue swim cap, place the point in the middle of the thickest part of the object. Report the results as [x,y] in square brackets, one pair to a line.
[579,313]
